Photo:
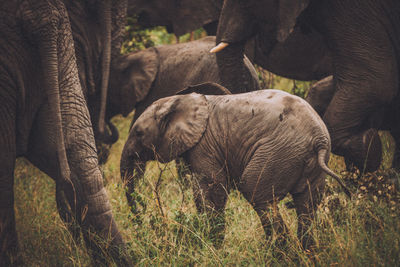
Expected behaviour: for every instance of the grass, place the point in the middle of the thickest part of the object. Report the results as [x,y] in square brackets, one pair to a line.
[364,231]
[170,232]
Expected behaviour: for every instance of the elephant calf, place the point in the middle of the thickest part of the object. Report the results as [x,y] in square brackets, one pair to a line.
[265,143]
[138,79]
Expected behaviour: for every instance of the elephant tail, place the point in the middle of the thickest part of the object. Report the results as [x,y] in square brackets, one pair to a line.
[321,161]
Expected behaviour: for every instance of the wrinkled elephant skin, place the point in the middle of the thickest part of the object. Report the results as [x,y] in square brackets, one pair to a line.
[266,143]
[362,38]
[178,17]
[98,29]
[140,78]
[45,119]
[385,118]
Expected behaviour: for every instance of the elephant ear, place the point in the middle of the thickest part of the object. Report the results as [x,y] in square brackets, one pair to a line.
[182,121]
[208,88]
[288,12]
[138,72]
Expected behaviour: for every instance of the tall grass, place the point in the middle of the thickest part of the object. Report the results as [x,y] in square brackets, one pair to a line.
[364,231]
[170,232]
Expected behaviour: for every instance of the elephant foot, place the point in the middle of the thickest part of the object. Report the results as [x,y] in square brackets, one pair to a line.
[365,151]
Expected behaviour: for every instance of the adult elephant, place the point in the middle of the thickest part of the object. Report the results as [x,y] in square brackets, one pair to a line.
[385,118]
[98,31]
[363,38]
[179,17]
[45,119]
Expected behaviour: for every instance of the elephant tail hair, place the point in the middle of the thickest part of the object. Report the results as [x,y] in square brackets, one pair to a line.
[321,161]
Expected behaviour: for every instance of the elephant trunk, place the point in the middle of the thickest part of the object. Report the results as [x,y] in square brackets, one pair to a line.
[234,29]
[49,57]
[105,63]
[46,32]
[81,179]
[232,70]
[132,167]
[100,229]
[113,136]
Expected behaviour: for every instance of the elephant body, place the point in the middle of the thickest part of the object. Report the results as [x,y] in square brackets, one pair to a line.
[178,17]
[266,144]
[141,78]
[384,118]
[362,39]
[45,119]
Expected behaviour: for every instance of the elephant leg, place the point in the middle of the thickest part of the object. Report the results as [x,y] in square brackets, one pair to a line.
[260,193]
[344,118]
[210,194]
[272,222]
[67,205]
[266,180]
[43,154]
[366,77]
[306,203]
[8,235]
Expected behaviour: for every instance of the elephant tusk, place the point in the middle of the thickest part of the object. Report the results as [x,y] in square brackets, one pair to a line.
[219,47]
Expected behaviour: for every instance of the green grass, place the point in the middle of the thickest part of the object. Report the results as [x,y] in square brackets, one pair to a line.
[170,232]
[363,231]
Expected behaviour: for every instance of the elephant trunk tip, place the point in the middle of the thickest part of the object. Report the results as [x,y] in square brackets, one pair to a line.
[219,47]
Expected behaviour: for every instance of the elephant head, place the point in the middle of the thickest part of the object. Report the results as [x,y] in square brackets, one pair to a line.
[267,32]
[131,80]
[165,130]
[97,28]
[179,17]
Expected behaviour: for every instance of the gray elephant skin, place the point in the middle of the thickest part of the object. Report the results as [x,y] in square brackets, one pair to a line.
[301,56]
[45,119]
[385,118]
[178,17]
[362,39]
[97,29]
[140,78]
[266,144]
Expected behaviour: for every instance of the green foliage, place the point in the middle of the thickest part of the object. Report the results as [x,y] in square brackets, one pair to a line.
[136,38]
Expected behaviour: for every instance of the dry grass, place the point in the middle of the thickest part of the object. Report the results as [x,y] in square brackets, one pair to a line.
[362,231]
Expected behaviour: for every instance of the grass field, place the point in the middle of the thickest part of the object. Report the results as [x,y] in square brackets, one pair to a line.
[363,231]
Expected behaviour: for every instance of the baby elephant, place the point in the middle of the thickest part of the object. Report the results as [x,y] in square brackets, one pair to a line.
[266,144]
